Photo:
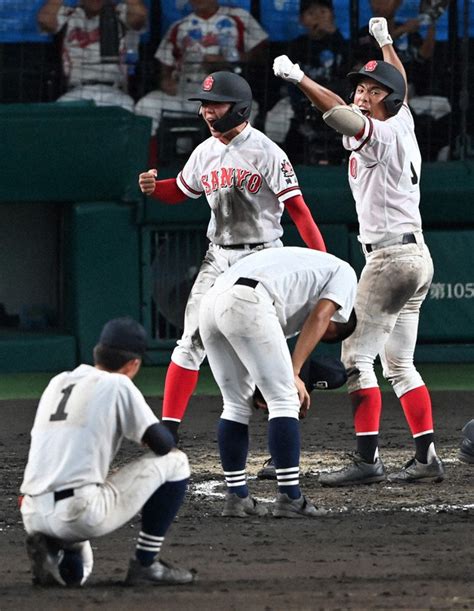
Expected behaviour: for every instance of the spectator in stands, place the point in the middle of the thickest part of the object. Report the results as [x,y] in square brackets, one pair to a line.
[209,39]
[95,36]
[322,53]
[429,107]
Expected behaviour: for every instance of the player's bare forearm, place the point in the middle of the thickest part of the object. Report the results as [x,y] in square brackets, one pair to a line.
[391,57]
[312,331]
[324,99]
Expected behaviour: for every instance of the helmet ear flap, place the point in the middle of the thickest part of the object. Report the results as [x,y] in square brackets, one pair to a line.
[238,113]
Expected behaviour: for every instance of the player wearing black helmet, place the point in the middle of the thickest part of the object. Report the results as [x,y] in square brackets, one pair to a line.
[384,175]
[248,181]
[226,87]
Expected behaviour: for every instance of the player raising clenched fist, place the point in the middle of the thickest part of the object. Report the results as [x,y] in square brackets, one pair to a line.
[384,176]
[248,181]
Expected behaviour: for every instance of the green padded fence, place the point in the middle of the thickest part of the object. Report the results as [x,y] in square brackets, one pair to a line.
[71,152]
[87,159]
[103,269]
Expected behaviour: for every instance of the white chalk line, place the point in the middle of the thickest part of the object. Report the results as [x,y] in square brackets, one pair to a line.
[208,489]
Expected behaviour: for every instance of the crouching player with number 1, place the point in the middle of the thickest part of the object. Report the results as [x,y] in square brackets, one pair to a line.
[69,493]
[384,174]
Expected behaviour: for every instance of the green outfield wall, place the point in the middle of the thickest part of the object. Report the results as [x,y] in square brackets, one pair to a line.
[79,244]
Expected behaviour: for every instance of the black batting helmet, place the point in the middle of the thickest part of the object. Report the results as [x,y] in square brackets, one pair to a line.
[387,75]
[323,372]
[318,373]
[225,86]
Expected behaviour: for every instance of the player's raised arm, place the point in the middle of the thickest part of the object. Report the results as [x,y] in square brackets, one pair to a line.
[378,28]
[324,99]
[166,190]
[346,119]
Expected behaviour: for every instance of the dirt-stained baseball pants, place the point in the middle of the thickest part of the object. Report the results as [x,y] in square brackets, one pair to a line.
[98,509]
[391,289]
[245,347]
[189,352]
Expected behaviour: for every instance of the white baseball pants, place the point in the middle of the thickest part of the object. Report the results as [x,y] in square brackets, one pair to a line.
[98,509]
[245,347]
[189,352]
[391,289]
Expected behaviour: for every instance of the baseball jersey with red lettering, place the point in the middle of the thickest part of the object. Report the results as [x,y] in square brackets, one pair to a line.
[384,176]
[246,183]
[189,39]
[81,47]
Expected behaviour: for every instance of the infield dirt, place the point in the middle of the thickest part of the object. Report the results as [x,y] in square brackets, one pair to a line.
[382,546]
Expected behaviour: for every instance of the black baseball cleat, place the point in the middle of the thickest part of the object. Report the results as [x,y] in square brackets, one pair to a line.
[267,471]
[238,507]
[158,573]
[358,472]
[285,507]
[466,450]
[52,565]
[415,471]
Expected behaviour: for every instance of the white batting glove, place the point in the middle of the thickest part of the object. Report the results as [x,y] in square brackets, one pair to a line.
[287,70]
[379,29]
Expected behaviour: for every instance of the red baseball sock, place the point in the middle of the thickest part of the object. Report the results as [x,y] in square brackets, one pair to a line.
[179,386]
[416,404]
[367,407]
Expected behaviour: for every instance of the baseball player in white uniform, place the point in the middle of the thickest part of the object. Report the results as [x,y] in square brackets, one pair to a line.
[384,175]
[89,77]
[211,35]
[69,493]
[248,181]
[244,321]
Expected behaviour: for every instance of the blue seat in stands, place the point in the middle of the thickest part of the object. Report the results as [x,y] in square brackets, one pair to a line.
[172,10]
[280,18]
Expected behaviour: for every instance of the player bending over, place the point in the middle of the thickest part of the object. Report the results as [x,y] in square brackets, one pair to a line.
[244,320]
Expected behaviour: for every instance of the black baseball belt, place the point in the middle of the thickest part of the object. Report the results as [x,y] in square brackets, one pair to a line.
[241,246]
[63,494]
[247,282]
[406,238]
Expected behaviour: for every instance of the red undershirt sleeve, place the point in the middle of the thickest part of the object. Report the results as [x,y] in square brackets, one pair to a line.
[168,191]
[301,217]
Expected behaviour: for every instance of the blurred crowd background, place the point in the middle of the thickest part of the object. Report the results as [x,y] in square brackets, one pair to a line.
[148,56]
